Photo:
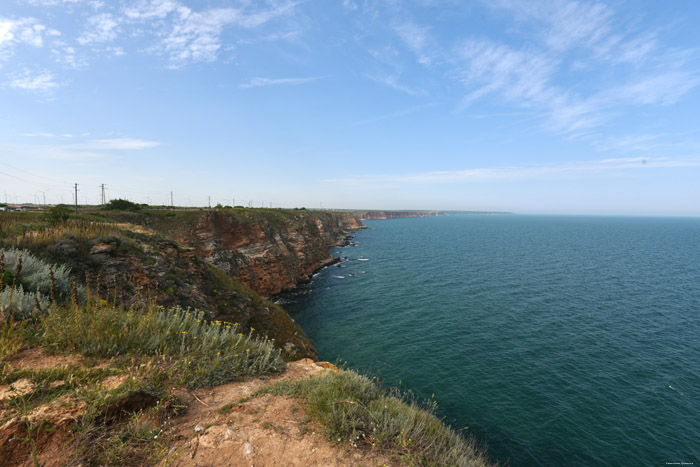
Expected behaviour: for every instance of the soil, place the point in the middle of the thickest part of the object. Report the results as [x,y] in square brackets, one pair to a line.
[265,430]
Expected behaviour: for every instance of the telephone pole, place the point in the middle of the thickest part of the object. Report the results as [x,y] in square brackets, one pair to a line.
[103,194]
[76,199]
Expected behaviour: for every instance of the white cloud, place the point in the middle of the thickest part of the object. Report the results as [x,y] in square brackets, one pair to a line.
[419,40]
[190,36]
[255,82]
[523,172]
[101,28]
[517,76]
[41,82]
[51,2]
[123,144]
[68,55]
[562,24]
[19,31]
[631,143]
[392,82]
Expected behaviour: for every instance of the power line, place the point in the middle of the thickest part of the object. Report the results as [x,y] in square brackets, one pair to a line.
[43,185]
[32,174]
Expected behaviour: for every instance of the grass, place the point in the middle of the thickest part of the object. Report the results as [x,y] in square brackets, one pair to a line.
[202,353]
[150,349]
[354,409]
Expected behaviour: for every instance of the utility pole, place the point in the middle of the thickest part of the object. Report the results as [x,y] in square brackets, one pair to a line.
[171,199]
[76,199]
[103,194]
[210,202]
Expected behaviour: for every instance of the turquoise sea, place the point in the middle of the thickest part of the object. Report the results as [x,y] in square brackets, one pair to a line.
[558,341]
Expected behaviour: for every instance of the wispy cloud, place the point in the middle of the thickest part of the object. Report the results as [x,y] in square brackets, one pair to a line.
[70,147]
[59,2]
[100,28]
[521,76]
[521,172]
[256,82]
[122,144]
[48,135]
[563,24]
[187,36]
[419,40]
[397,114]
[392,82]
[33,81]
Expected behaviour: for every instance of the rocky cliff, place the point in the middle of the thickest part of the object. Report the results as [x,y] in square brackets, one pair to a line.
[270,251]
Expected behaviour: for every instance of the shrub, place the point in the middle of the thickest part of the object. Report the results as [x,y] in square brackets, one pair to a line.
[19,305]
[204,353]
[122,205]
[35,273]
[57,214]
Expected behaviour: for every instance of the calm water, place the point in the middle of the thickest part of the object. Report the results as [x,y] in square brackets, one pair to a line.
[557,340]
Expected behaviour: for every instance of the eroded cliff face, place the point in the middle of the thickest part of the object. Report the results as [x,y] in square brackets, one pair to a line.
[270,251]
[380,215]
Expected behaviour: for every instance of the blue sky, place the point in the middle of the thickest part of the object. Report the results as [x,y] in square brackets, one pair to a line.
[533,107]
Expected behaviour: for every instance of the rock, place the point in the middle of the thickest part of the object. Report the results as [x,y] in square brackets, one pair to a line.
[248,449]
[101,248]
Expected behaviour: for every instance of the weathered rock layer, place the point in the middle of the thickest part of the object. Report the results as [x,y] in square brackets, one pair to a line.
[269,251]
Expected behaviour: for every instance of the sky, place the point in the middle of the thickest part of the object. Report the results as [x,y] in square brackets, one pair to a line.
[551,107]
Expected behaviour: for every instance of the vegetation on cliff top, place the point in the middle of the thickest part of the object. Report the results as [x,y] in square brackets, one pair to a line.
[356,410]
[149,351]
[132,266]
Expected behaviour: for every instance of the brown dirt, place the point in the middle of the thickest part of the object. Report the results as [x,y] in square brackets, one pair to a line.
[37,359]
[264,431]
[51,444]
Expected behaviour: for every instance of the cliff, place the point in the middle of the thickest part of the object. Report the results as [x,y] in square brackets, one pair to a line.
[270,251]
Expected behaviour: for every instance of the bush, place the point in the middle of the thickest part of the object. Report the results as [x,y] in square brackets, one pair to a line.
[205,353]
[35,273]
[122,205]
[57,214]
[19,305]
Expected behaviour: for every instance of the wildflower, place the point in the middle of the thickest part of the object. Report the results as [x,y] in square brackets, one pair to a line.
[184,332]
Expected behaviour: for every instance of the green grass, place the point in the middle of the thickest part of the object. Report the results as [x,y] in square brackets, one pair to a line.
[152,349]
[202,353]
[354,409]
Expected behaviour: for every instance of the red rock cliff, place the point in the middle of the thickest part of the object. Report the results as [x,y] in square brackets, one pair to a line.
[270,251]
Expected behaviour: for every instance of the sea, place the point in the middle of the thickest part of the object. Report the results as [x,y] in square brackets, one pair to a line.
[553,340]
